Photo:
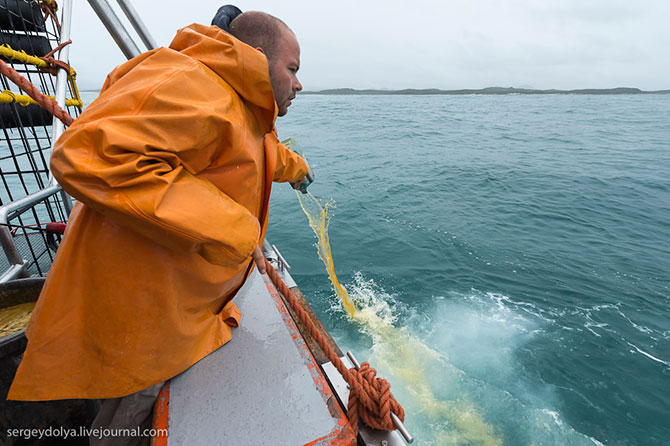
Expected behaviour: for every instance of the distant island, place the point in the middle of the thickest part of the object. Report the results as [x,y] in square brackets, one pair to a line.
[489,90]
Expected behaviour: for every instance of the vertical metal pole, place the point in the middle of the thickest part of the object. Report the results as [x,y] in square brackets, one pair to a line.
[137,23]
[67,202]
[63,54]
[7,243]
[114,26]
[61,84]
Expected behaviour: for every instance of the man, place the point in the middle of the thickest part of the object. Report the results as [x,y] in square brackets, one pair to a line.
[172,167]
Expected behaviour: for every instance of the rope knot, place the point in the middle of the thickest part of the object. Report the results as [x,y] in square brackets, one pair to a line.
[53,64]
[370,398]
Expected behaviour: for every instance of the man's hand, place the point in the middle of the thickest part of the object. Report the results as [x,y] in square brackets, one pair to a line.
[298,183]
[258,257]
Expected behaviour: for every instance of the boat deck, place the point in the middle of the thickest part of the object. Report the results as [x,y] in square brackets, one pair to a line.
[263,387]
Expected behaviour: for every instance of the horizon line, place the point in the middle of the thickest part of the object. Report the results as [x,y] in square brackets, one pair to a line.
[486,90]
[409,90]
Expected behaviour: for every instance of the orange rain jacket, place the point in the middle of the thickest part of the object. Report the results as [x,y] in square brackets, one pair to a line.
[172,166]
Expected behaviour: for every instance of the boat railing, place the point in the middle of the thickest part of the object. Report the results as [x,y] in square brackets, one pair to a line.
[22,241]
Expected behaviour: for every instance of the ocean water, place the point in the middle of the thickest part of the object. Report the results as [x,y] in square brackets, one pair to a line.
[509,257]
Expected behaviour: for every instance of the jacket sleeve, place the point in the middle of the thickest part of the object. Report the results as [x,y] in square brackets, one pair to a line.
[136,160]
[290,166]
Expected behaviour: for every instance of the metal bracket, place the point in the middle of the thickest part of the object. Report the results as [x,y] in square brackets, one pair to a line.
[278,262]
[283,264]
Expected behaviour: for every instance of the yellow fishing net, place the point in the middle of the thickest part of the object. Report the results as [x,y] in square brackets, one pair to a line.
[402,357]
[15,318]
[318,218]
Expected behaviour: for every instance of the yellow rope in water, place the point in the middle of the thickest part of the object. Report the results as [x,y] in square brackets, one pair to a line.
[318,218]
[9,97]
[455,420]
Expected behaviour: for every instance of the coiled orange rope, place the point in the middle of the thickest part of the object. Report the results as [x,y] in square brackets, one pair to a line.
[45,101]
[370,398]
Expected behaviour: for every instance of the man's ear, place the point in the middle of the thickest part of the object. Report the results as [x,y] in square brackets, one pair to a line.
[260,49]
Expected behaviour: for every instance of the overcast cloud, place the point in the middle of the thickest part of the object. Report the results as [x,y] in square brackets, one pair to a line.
[453,44]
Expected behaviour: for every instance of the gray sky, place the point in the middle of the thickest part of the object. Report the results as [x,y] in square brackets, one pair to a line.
[453,44]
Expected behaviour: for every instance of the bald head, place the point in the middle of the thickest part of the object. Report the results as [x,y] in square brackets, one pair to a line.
[260,30]
[280,46]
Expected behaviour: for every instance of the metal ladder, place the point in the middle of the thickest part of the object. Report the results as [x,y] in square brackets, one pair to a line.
[53,197]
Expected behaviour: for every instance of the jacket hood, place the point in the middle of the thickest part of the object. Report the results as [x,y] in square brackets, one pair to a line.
[244,68]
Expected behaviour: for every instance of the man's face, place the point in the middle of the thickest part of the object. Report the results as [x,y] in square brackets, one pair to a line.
[284,71]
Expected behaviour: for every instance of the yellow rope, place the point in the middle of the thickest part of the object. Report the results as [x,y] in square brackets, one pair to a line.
[49,3]
[15,318]
[8,97]
[75,91]
[22,56]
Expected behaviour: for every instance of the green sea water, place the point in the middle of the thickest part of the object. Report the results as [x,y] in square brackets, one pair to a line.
[512,255]
[509,257]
